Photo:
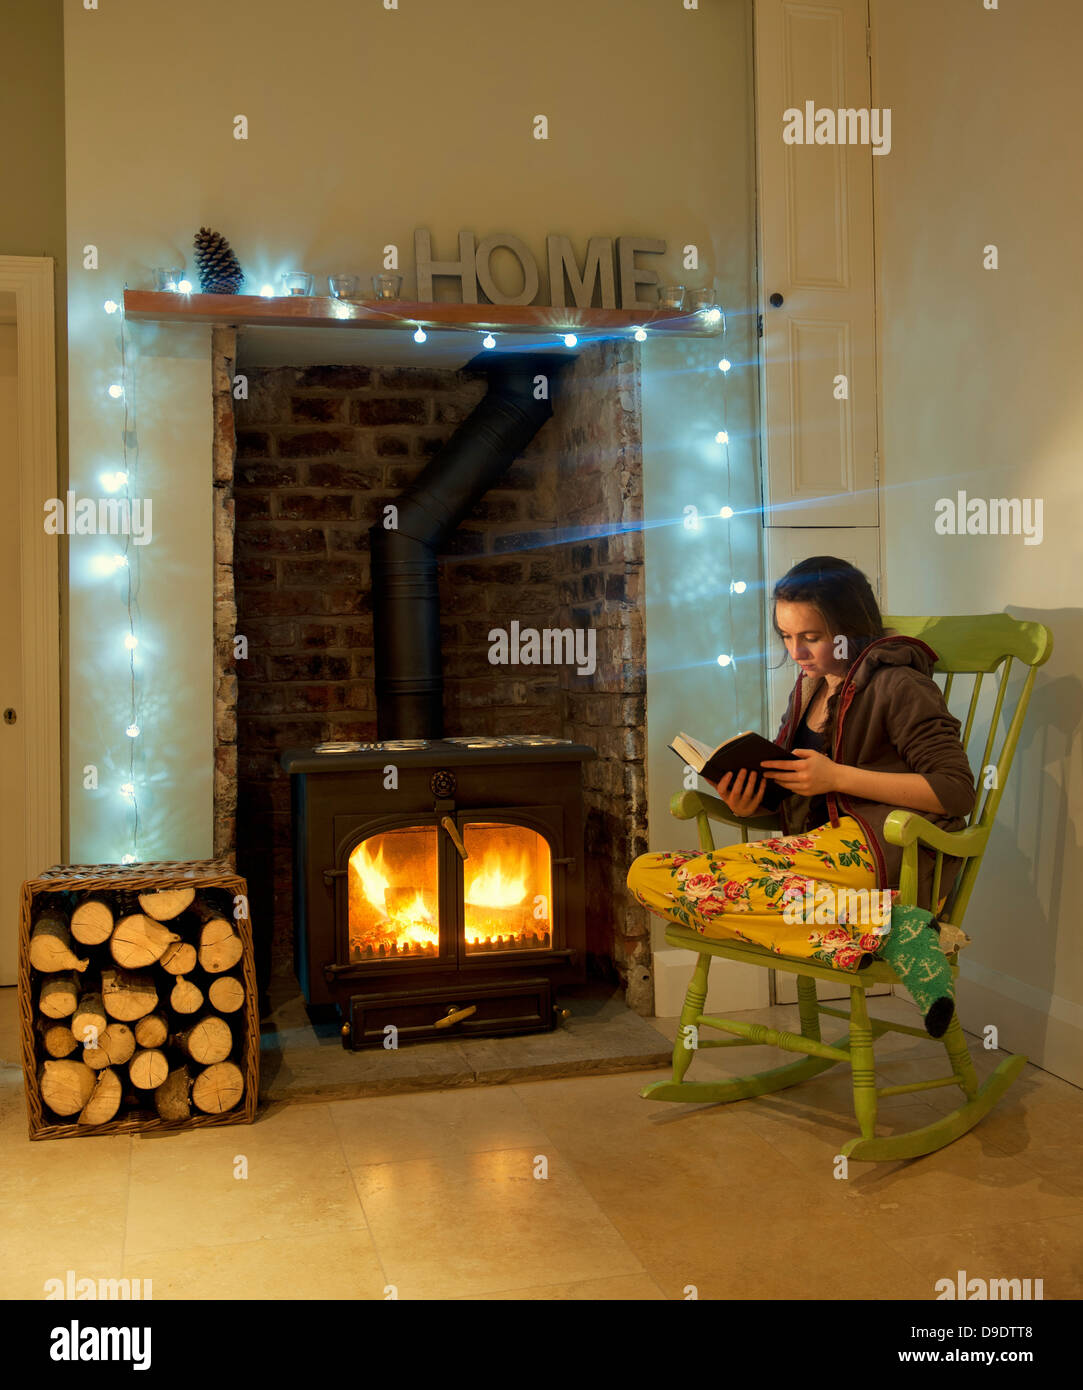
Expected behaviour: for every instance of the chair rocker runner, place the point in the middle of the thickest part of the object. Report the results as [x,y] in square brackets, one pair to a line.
[974,646]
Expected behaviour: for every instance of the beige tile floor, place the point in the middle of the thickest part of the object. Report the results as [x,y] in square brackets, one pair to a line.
[573,1189]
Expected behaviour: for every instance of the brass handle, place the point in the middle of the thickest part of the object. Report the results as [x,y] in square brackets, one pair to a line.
[455,1015]
[451,828]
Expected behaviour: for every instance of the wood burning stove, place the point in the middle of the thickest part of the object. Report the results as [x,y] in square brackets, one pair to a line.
[438,883]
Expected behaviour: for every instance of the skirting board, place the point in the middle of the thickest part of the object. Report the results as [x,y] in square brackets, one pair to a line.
[1045,1027]
[731,985]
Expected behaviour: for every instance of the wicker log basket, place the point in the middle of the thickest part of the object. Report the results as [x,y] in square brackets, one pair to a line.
[99,951]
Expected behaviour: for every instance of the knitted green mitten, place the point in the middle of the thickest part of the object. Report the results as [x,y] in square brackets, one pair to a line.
[912,949]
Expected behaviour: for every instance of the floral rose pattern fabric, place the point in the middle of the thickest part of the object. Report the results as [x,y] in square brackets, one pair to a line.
[749,892]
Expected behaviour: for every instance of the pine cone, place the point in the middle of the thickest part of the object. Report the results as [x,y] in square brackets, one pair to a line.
[219,269]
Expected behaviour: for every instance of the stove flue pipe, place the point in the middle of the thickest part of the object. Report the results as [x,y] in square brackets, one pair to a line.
[405,596]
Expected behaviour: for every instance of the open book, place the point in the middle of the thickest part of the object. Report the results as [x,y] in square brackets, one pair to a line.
[743,751]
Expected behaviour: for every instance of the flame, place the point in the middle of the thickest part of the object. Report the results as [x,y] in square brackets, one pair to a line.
[492,887]
[412,922]
[374,881]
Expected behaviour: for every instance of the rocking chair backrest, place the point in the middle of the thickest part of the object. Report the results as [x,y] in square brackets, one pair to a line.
[977,646]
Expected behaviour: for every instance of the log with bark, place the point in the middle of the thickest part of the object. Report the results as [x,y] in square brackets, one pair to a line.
[92,919]
[148,1068]
[216,1089]
[226,993]
[210,1039]
[66,1086]
[59,995]
[171,1098]
[57,1039]
[115,1047]
[167,903]
[89,1020]
[138,941]
[51,945]
[128,994]
[153,1030]
[104,1100]
[179,958]
[185,997]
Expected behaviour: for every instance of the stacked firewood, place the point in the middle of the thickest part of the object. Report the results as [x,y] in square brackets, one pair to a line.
[139,1002]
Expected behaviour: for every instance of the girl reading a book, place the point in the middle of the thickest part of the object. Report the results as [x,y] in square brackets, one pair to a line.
[872,733]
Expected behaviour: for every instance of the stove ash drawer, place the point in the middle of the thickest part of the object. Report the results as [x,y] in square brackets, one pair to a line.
[467,1010]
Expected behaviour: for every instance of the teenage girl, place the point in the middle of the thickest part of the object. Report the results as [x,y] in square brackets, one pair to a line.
[872,733]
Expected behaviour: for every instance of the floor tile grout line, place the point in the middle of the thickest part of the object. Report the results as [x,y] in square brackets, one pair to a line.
[388,1283]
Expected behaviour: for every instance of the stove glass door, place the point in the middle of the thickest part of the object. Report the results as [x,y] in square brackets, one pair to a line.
[393,895]
[507,889]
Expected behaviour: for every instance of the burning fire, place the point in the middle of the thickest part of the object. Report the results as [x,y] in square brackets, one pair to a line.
[491,887]
[399,918]
[410,918]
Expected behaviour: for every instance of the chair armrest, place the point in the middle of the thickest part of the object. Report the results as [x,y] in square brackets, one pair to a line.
[908,827]
[688,805]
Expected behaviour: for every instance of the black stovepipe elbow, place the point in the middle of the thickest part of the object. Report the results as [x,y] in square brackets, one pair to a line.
[405,543]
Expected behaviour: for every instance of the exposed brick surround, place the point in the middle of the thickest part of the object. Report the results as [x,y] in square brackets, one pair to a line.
[319,452]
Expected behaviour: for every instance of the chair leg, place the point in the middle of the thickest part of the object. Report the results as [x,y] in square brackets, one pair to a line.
[862,1063]
[694,1000]
[806,1007]
[959,1056]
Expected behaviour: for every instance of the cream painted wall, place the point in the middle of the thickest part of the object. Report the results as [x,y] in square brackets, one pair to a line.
[981,393]
[364,123]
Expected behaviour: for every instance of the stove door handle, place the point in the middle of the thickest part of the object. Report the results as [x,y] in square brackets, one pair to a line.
[455,1015]
[452,829]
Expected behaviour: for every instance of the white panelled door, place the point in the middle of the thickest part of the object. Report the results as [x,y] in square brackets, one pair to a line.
[816,262]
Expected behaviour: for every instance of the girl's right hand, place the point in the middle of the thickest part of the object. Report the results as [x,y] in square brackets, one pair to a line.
[741,797]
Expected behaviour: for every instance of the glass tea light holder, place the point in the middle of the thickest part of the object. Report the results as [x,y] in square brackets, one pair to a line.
[167,277]
[671,296]
[386,285]
[705,303]
[298,282]
[344,286]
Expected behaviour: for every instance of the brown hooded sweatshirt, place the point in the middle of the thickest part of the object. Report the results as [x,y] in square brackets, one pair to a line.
[892,718]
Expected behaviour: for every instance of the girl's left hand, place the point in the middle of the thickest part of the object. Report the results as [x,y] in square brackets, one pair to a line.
[814,774]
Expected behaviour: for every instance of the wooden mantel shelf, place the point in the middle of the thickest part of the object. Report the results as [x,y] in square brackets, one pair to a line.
[311,311]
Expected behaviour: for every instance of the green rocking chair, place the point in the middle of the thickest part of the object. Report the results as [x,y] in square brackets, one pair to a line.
[966,646]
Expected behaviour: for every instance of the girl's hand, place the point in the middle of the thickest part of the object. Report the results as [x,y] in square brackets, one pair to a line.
[814,774]
[740,797]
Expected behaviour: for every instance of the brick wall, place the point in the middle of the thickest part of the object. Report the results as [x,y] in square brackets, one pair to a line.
[319,451]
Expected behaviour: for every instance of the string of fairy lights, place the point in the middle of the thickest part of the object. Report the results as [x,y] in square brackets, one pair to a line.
[122,481]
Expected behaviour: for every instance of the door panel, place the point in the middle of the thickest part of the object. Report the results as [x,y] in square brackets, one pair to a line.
[819,462]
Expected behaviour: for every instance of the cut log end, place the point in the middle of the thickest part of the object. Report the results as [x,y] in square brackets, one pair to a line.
[92,921]
[185,997]
[51,947]
[179,958]
[139,941]
[208,1040]
[152,1030]
[104,1100]
[66,1086]
[128,994]
[115,1047]
[220,948]
[163,906]
[218,1088]
[226,993]
[148,1068]
[59,995]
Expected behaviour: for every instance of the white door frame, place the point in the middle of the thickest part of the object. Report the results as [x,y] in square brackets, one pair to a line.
[31,280]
